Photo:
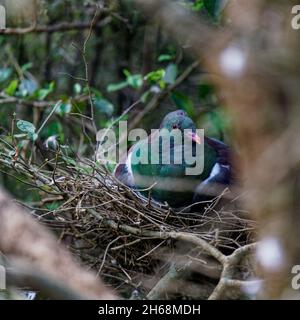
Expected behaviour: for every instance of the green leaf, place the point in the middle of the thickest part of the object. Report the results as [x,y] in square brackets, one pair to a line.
[104,106]
[70,161]
[27,87]
[205,91]
[77,88]
[32,136]
[12,87]
[165,57]
[64,108]
[27,66]
[135,81]
[182,101]
[26,126]
[162,84]
[155,76]
[145,96]
[20,136]
[96,92]
[43,93]
[216,123]
[198,5]
[214,7]
[5,73]
[171,74]
[117,86]
[54,128]
[127,73]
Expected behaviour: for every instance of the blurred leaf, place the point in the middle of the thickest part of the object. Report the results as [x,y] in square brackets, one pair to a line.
[5,73]
[27,87]
[171,74]
[43,93]
[52,206]
[145,96]
[26,126]
[127,73]
[182,101]
[117,86]
[195,5]
[12,87]
[104,106]
[20,136]
[204,91]
[27,66]
[97,92]
[32,136]
[64,108]
[162,84]
[54,128]
[155,76]
[198,5]
[70,161]
[135,81]
[77,88]
[214,7]
[215,123]
[165,57]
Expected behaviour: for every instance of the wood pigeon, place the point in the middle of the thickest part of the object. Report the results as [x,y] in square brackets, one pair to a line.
[168,181]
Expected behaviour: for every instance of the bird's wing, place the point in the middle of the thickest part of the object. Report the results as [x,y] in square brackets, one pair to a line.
[123,171]
[213,186]
[222,150]
[221,174]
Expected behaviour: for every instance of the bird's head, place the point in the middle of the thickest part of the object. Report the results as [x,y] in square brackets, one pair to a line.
[179,120]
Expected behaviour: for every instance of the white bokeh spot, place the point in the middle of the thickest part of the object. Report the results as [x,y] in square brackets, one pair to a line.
[270,254]
[233,61]
[253,287]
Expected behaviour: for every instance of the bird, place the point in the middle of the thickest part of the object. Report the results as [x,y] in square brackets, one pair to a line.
[168,182]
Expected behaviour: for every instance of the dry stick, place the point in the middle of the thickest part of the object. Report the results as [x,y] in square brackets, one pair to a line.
[57,105]
[174,275]
[184,236]
[105,254]
[61,27]
[158,291]
[37,104]
[151,251]
[228,268]
[95,18]
[86,79]
[228,262]
[164,235]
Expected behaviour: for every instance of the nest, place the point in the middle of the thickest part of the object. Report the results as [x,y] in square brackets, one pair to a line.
[132,242]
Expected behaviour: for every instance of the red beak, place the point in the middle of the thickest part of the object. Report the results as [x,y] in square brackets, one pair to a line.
[194,137]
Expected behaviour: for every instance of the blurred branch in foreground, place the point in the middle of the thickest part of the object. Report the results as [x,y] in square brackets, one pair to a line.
[29,246]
